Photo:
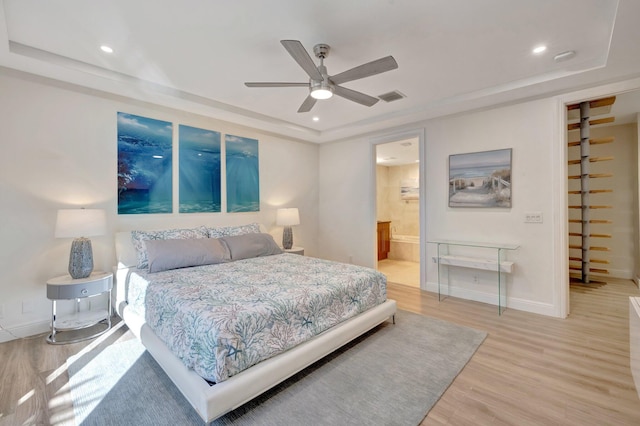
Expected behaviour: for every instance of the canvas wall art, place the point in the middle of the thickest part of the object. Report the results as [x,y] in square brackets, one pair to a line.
[144,165]
[409,189]
[480,179]
[243,174]
[199,174]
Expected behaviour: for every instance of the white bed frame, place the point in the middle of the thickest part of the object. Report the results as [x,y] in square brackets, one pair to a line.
[214,401]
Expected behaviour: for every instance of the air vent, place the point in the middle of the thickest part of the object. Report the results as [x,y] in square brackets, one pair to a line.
[392,96]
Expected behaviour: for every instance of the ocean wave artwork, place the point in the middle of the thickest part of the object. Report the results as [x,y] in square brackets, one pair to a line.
[200,170]
[144,165]
[243,174]
[480,179]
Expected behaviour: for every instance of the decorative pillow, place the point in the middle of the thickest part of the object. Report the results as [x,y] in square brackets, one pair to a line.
[251,245]
[225,231]
[172,254]
[139,237]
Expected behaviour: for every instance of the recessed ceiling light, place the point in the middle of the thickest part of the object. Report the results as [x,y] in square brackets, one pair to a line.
[106,49]
[539,49]
[316,118]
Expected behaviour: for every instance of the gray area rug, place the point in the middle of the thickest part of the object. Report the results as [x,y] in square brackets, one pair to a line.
[392,375]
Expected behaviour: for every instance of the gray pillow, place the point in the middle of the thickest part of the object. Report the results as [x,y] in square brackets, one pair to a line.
[172,254]
[139,237]
[251,245]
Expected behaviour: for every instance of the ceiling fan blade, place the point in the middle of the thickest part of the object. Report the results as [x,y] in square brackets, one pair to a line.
[366,70]
[301,56]
[354,96]
[307,104]
[276,84]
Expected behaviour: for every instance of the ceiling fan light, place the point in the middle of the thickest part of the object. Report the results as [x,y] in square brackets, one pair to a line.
[321,93]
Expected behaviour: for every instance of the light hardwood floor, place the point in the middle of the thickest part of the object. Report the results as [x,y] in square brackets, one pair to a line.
[537,370]
[401,271]
[531,369]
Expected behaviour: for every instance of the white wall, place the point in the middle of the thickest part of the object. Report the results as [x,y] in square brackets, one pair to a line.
[59,150]
[529,128]
[347,194]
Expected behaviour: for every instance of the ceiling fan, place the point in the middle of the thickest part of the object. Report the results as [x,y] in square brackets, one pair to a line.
[321,85]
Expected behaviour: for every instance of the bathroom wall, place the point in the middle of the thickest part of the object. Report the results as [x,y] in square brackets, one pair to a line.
[403,214]
[382,194]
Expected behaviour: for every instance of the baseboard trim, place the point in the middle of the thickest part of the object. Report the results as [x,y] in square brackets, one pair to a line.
[491,299]
[23,331]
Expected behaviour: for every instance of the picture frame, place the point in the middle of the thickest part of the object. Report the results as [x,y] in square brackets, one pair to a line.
[200,179]
[480,179]
[145,160]
[243,174]
[409,190]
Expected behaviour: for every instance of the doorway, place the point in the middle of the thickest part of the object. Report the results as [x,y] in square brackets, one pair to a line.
[398,210]
[603,224]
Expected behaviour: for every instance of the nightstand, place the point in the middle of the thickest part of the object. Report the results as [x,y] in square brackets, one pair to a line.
[92,323]
[295,250]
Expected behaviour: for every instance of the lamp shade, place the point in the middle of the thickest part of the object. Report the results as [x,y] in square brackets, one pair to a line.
[287,217]
[73,223]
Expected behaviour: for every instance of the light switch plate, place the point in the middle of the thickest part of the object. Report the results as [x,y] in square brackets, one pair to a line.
[533,217]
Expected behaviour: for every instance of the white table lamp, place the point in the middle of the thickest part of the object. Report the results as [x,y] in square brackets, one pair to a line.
[287,218]
[80,224]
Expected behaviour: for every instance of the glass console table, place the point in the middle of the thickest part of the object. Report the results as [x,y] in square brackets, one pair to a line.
[495,261]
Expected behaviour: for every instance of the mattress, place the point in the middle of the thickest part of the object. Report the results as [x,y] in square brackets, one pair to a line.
[222,319]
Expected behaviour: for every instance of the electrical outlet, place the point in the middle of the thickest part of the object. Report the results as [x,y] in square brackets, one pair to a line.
[533,217]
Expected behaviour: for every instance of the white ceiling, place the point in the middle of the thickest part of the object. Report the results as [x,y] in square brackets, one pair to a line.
[195,55]
[398,153]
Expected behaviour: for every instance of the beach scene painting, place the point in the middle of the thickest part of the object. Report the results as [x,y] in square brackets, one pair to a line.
[480,179]
[199,170]
[409,189]
[243,174]
[144,165]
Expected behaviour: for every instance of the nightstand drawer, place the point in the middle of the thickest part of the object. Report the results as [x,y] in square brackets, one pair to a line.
[77,289]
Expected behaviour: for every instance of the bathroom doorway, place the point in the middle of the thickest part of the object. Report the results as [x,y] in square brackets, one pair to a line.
[398,177]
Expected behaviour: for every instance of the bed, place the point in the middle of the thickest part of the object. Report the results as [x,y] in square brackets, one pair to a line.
[150,304]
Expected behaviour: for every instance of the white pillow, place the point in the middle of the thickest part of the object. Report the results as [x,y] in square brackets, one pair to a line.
[225,231]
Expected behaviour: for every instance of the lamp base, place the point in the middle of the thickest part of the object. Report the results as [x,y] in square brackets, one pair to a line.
[287,238]
[80,258]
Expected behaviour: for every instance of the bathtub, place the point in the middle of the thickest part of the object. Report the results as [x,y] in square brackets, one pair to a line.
[405,247]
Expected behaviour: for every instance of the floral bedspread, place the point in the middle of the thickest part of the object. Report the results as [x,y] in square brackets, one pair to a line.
[221,319]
